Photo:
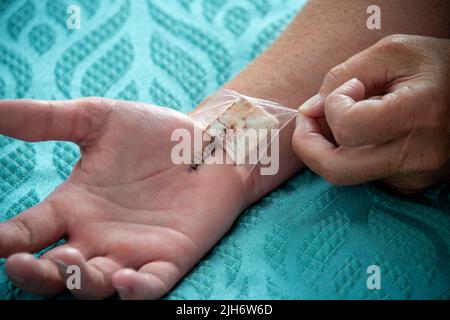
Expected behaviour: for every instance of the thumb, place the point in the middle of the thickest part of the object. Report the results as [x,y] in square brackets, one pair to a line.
[314,107]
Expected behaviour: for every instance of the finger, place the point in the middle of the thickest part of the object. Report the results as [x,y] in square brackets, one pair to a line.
[314,107]
[376,67]
[32,230]
[38,120]
[357,122]
[38,276]
[95,274]
[381,68]
[342,165]
[153,280]
[372,75]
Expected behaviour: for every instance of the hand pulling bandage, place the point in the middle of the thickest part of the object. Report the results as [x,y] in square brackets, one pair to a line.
[245,128]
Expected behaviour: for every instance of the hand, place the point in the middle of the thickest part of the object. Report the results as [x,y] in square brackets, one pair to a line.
[388,109]
[134,222]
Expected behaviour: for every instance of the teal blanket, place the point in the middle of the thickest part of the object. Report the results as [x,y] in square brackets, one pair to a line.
[306,240]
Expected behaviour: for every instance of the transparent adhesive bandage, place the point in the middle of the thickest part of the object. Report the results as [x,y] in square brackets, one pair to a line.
[241,130]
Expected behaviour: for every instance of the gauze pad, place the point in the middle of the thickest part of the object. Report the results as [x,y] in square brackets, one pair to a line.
[242,126]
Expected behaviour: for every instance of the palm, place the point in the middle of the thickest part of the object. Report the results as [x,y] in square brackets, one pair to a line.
[125,205]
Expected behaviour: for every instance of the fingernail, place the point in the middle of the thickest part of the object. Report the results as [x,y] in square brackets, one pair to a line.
[123,291]
[352,80]
[350,83]
[311,102]
[304,123]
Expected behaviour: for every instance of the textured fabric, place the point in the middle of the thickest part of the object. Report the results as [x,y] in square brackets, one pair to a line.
[305,240]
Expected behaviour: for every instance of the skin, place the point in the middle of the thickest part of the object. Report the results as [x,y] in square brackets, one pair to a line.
[153,219]
[396,99]
[138,231]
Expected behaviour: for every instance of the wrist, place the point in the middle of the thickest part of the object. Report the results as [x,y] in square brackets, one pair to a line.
[256,184]
[246,183]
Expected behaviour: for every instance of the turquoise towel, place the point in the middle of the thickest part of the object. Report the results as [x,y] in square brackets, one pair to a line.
[306,240]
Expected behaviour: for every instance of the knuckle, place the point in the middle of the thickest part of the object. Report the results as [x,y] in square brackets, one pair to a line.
[334,77]
[22,228]
[329,107]
[397,43]
[392,40]
[330,102]
[336,71]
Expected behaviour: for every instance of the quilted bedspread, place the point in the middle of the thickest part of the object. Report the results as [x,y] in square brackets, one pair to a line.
[306,240]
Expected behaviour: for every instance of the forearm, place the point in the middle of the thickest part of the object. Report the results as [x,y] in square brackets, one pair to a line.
[324,34]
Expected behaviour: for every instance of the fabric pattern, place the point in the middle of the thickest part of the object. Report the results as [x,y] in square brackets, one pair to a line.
[306,240]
